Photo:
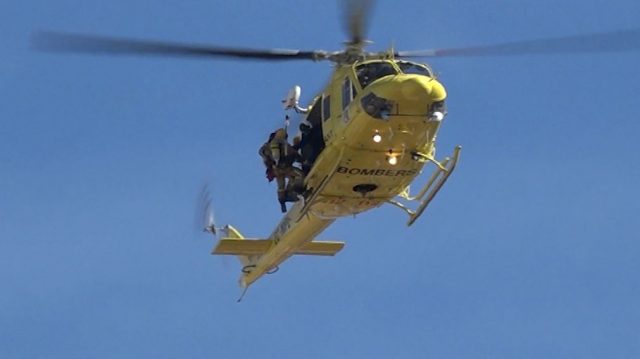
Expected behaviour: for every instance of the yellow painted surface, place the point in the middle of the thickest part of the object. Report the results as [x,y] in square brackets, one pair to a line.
[351,161]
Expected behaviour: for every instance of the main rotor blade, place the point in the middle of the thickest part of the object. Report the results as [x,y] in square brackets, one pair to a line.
[615,41]
[105,45]
[356,16]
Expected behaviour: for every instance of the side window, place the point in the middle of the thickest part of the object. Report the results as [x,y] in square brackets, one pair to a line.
[326,107]
[348,93]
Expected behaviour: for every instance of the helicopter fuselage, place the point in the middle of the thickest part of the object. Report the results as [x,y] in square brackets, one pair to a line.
[377,134]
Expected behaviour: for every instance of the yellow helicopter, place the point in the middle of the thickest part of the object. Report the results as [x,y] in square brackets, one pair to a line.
[371,130]
[376,124]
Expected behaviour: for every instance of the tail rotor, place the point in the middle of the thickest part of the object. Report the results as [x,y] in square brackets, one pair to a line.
[206,221]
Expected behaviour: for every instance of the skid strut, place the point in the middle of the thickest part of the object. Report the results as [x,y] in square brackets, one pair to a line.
[438,178]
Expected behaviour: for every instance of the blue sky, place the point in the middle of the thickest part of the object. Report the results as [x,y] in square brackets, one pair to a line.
[531,250]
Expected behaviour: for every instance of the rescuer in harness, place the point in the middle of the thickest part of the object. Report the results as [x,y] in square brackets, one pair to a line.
[278,157]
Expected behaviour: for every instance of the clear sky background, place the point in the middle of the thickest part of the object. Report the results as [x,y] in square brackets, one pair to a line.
[531,250]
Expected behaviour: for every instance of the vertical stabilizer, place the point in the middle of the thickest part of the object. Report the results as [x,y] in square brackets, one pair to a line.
[245,260]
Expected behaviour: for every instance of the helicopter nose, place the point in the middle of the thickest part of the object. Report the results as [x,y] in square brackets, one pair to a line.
[408,93]
[415,88]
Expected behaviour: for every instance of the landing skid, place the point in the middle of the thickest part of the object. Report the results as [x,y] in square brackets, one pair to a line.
[440,175]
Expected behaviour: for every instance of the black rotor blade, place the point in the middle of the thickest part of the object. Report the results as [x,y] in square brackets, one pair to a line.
[105,45]
[356,16]
[614,41]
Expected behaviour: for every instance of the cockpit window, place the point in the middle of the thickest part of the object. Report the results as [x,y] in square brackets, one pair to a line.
[369,72]
[412,68]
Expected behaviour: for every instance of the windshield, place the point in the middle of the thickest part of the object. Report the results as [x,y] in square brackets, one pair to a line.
[413,68]
[369,72]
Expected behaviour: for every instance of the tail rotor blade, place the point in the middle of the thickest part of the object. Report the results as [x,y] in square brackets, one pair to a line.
[205,213]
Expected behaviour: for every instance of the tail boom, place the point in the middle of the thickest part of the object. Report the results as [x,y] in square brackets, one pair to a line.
[293,236]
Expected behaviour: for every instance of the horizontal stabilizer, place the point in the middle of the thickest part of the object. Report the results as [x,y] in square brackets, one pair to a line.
[248,247]
[242,247]
[321,248]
